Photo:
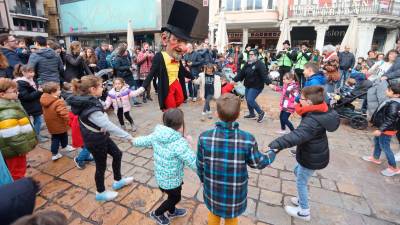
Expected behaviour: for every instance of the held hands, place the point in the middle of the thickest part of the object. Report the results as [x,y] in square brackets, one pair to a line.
[139,91]
[377,133]
[273,87]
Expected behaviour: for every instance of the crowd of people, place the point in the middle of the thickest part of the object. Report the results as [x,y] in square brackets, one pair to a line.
[67,91]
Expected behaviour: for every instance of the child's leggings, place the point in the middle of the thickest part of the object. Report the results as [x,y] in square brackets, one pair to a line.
[284,119]
[99,153]
[121,113]
[174,197]
[216,220]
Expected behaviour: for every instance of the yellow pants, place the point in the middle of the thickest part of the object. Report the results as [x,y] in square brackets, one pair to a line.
[216,220]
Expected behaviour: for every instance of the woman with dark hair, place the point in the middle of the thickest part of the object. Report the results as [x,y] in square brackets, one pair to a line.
[75,66]
[91,59]
[122,66]
[381,67]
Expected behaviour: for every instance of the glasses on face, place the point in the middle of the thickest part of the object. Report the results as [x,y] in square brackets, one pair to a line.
[303,99]
[251,54]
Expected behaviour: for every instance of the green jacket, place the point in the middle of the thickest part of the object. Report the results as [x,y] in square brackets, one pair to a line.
[302,59]
[16,132]
[284,58]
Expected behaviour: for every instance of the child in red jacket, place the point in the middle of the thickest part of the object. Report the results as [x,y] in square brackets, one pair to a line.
[226,87]
[231,64]
[77,142]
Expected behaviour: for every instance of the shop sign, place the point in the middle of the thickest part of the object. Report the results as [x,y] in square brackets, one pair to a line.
[269,34]
[205,3]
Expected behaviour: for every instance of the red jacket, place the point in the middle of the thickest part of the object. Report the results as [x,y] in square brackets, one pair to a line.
[232,66]
[227,88]
[76,136]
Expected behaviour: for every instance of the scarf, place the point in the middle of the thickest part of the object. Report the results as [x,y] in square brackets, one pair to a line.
[302,110]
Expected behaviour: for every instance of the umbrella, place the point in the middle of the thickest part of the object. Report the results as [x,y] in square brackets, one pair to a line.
[285,34]
[129,36]
[222,35]
[351,36]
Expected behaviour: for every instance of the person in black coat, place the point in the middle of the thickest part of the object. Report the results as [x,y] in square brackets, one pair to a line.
[29,95]
[75,66]
[122,66]
[310,137]
[386,120]
[254,74]
[17,199]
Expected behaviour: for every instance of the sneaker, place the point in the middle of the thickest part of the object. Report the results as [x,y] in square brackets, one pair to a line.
[144,100]
[298,212]
[133,127]
[189,98]
[177,213]
[42,139]
[106,196]
[79,164]
[68,148]
[137,104]
[249,116]
[261,117]
[282,132]
[149,98]
[292,152]
[397,157]
[390,171]
[294,201]
[194,99]
[371,159]
[56,157]
[203,116]
[123,127]
[161,220]
[209,115]
[122,183]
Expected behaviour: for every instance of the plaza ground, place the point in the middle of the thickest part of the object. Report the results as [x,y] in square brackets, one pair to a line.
[348,191]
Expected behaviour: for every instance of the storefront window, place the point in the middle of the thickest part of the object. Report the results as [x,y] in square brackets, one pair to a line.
[254,4]
[233,5]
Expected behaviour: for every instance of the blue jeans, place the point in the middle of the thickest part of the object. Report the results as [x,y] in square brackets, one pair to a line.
[302,177]
[207,101]
[344,74]
[37,124]
[84,155]
[192,89]
[382,143]
[284,119]
[57,140]
[251,94]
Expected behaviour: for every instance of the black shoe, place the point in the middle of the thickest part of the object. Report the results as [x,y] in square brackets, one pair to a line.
[149,98]
[177,213]
[292,152]
[144,100]
[250,116]
[161,220]
[137,104]
[261,117]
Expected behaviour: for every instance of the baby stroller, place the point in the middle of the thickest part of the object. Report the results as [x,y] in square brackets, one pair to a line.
[239,89]
[344,107]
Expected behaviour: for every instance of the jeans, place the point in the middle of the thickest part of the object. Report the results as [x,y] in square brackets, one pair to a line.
[193,88]
[284,119]
[343,77]
[84,155]
[207,101]
[330,87]
[174,197]
[302,176]
[57,140]
[382,143]
[37,124]
[251,95]
[300,77]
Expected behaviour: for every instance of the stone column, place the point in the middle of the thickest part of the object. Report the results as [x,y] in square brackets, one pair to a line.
[321,30]
[390,41]
[211,38]
[365,36]
[245,38]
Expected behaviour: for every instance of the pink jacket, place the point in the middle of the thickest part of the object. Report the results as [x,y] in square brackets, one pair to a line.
[123,97]
[289,92]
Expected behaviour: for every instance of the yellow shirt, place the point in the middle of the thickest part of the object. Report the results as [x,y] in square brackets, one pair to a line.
[172,68]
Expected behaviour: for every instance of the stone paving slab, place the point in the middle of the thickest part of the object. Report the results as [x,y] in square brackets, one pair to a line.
[349,191]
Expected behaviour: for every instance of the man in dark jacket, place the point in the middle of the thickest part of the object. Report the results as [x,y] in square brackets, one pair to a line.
[47,63]
[8,48]
[346,63]
[312,144]
[204,55]
[102,53]
[194,64]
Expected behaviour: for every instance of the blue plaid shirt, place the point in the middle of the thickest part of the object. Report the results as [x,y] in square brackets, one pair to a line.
[222,158]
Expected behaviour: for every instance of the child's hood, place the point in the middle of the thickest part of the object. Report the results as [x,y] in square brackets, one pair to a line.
[329,120]
[166,135]
[46,100]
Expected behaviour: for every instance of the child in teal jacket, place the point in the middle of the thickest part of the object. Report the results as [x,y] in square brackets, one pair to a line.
[171,153]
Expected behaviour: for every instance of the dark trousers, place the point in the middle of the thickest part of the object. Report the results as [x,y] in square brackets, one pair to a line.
[155,83]
[121,114]
[284,118]
[207,101]
[174,197]
[192,89]
[300,77]
[99,153]
[57,140]
[282,71]
[146,94]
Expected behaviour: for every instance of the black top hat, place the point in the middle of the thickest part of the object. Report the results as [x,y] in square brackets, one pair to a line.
[286,42]
[181,20]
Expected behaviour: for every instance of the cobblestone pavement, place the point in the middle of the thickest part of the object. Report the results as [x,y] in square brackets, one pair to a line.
[348,191]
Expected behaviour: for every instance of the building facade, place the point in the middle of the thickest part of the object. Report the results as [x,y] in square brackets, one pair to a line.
[51,12]
[92,22]
[318,22]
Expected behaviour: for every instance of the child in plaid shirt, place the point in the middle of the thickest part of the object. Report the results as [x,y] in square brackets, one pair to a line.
[222,158]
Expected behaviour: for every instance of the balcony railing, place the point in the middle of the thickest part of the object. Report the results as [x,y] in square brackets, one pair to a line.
[27,11]
[33,29]
[345,9]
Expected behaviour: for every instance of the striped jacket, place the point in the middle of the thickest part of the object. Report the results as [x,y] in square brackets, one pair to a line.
[222,158]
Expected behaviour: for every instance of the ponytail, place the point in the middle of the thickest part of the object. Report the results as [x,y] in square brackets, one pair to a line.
[82,86]
[18,71]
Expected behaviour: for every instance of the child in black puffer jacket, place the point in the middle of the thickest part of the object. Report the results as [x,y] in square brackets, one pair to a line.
[29,94]
[310,137]
[386,119]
